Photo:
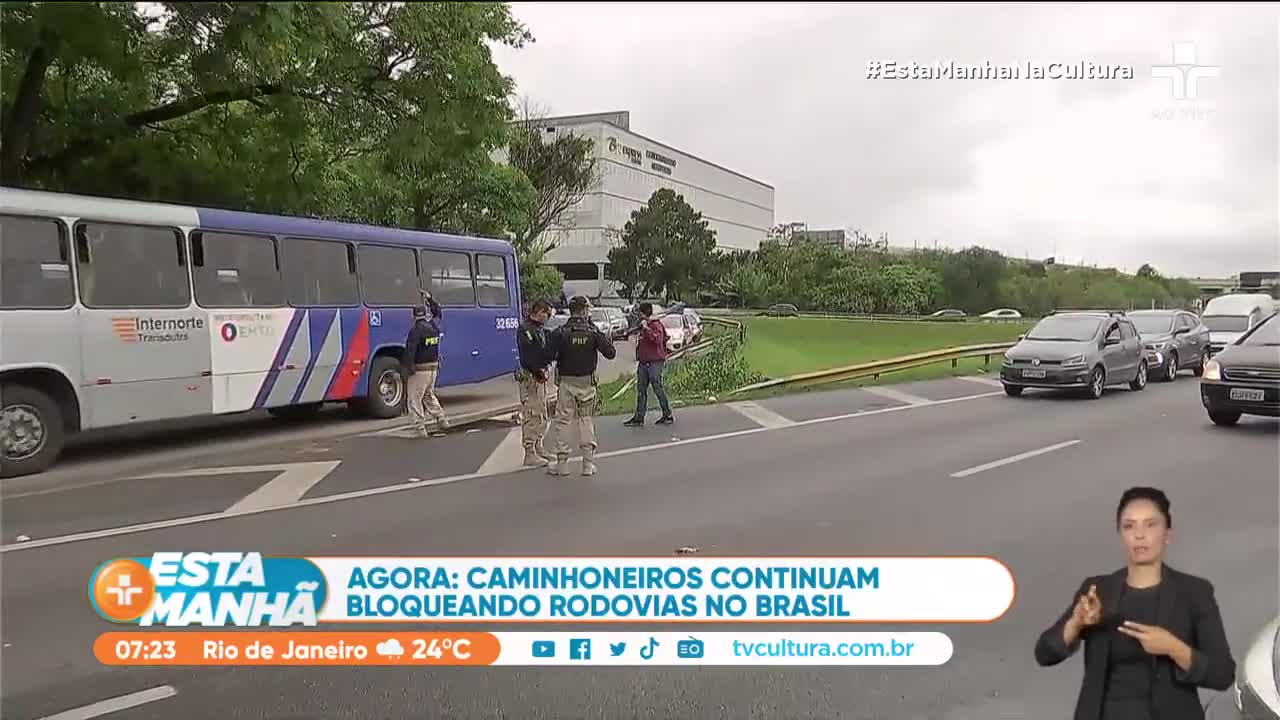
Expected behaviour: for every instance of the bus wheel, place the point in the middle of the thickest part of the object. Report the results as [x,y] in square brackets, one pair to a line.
[386,389]
[32,431]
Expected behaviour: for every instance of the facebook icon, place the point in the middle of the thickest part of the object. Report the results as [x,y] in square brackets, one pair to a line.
[580,649]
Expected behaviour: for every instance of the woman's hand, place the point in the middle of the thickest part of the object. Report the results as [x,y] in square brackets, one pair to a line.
[1088,609]
[1155,640]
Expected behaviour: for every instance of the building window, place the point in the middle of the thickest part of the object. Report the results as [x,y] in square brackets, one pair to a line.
[35,264]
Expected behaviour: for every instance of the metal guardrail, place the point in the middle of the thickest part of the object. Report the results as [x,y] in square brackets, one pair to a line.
[877,368]
[692,349]
[707,313]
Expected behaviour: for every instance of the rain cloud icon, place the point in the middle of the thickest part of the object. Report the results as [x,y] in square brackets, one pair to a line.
[390,648]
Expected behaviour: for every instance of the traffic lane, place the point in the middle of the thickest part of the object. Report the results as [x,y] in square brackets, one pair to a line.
[991,675]
[637,505]
[128,502]
[100,455]
[766,482]
[365,462]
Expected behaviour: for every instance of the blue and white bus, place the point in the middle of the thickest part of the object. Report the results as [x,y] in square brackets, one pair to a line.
[115,312]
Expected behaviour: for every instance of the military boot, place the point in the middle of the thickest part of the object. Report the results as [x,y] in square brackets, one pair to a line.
[560,466]
[533,459]
[588,464]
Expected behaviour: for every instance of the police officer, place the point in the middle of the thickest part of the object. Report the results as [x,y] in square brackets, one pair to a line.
[421,364]
[532,377]
[576,347]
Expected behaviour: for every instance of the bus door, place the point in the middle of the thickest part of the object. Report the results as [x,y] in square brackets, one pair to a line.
[145,348]
[499,315]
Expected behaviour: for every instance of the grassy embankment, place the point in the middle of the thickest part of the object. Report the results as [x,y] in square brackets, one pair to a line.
[779,347]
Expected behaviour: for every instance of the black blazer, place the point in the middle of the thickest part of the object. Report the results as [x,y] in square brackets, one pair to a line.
[1186,608]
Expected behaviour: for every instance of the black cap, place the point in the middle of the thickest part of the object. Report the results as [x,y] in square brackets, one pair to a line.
[579,303]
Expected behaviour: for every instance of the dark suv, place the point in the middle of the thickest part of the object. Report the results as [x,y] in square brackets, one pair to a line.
[1174,339]
[1244,379]
[1082,350]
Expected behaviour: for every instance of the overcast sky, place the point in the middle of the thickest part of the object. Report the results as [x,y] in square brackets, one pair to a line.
[1112,172]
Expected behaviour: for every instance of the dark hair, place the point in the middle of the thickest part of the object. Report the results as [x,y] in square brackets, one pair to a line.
[579,305]
[1145,493]
[540,306]
[646,309]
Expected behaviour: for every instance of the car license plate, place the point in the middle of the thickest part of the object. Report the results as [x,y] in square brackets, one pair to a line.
[1032,373]
[1247,394]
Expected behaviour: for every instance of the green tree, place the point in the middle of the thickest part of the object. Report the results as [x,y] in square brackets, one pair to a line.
[538,281]
[368,111]
[562,169]
[1147,271]
[667,246]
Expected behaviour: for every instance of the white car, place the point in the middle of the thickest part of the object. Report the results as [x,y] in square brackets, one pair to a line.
[1257,691]
[677,331]
[1002,314]
[694,324]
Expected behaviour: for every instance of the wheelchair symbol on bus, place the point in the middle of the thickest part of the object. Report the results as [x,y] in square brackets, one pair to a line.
[375,318]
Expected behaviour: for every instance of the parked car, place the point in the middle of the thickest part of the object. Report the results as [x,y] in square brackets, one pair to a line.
[679,332]
[1080,350]
[1257,689]
[1002,314]
[1244,379]
[695,325]
[610,321]
[950,314]
[1174,340]
[782,310]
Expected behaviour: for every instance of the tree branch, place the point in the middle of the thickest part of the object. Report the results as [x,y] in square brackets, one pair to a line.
[21,123]
[163,113]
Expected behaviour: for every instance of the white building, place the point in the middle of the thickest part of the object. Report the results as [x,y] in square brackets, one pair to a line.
[738,208]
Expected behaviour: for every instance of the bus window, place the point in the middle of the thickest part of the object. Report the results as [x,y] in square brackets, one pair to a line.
[447,276]
[35,264]
[131,266]
[319,272]
[233,270]
[388,276]
[491,281]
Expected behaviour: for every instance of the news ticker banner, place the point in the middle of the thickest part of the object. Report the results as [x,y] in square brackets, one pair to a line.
[359,649]
[245,589]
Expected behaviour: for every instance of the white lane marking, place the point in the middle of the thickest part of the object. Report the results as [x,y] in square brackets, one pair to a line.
[196,519]
[760,415]
[982,380]
[891,394]
[1013,459]
[115,704]
[286,488]
[508,456]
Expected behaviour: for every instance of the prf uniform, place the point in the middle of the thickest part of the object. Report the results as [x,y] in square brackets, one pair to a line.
[576,347]
[421,363]
[532,377]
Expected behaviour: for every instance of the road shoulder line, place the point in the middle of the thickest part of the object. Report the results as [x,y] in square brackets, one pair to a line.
[760,415]
[1013,459]
[891,394]
[369,492]
[115,704]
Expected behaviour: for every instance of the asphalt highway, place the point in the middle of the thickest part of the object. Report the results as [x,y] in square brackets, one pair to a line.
[948,467]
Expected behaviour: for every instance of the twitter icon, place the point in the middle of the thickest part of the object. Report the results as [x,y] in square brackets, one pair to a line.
[617,649]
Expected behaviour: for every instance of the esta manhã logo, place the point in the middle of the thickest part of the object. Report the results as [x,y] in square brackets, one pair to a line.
[203,589]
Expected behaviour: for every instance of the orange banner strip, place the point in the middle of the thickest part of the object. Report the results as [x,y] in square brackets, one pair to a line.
[296,648]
